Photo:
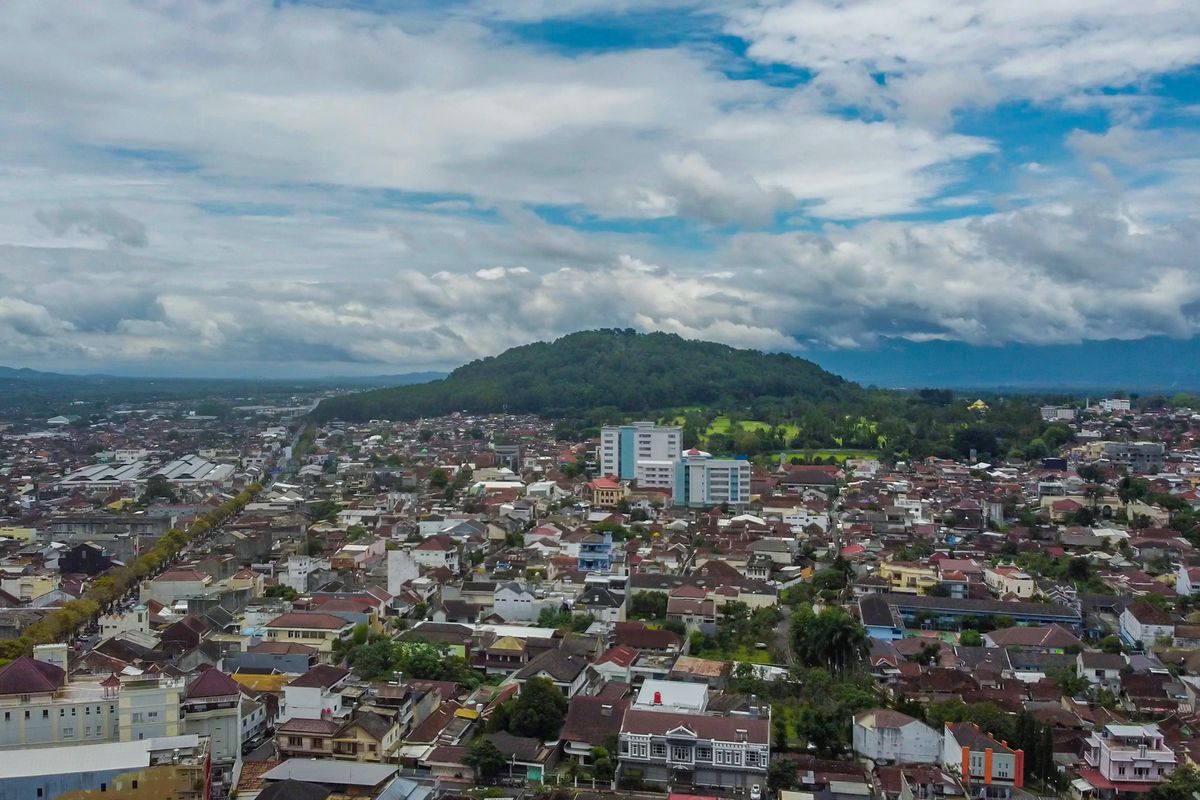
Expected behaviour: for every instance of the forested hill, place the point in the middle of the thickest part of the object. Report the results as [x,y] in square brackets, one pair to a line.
[618,369]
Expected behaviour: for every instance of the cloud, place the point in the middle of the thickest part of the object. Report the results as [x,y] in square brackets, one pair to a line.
[905,55]
[105,223]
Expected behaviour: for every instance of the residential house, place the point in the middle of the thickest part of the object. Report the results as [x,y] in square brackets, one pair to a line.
[988,769]
[566,671]
[313,628]
[1102,670]
[1142,625]
[315,695]
[1126,758]
[889,737]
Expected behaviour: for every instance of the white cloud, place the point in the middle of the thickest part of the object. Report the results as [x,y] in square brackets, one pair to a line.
[941,55]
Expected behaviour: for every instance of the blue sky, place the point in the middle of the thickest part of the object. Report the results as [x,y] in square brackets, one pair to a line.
[313,188]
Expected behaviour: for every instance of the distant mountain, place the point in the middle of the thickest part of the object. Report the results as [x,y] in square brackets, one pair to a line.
[620,369]
[26,374]
[1155,363]
[403,379]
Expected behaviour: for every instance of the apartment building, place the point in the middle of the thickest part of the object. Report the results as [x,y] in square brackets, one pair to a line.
[313,628]
[40,707]
[642,452]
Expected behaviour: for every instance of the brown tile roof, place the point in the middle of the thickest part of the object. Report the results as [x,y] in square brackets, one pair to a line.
[26,675]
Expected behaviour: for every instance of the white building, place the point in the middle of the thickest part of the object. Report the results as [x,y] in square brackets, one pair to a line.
[1114,404]
[886,736]
[315,695]
[1142,624]
[701,480]
[1129,753]
[642,452]
[514,603]
[401,568]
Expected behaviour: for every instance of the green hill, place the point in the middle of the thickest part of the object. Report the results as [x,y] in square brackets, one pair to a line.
[621,369]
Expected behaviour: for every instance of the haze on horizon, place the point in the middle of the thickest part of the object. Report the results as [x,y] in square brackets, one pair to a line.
[359,188]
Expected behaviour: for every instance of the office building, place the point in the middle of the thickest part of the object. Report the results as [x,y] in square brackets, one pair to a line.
[641,452]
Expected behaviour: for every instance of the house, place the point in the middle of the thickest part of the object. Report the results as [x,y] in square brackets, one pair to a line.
[615,664]
[1122,759]
[1102,670]
[695,614]
[604,492]
[306,738]
[1142,625]
[1187,580]
[566,671]
[1048,638]
[514,603]
[1008,580]
[984,765]
[601,603]
[889,737]
[437,551]
[366,737]
[907,577]
[313,628]
[676,750]
[595,552]
[590,721]
[315,695]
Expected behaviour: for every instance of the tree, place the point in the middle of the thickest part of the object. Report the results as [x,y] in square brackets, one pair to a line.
[970,638]
[1183,784]
[603,768]
[781,775]
[1110,644]
[158,488]
[538,711]
[372,661]
[438,479]
[485,758]
[831,638]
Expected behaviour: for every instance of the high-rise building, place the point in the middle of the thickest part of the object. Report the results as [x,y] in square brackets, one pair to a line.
[701,480]
[642,452]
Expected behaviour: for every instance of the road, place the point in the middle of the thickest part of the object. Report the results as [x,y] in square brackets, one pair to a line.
[783,637]
[264,752]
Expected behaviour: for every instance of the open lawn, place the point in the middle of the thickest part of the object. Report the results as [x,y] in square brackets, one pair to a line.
[723,425]
[838,455]
[749,655]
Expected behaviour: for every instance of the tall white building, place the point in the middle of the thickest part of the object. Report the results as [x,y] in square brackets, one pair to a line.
[701,480]
[642,452]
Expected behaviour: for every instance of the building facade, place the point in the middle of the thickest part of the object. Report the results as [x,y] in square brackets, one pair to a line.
[641,452]
[701,480]
[1128,754]
[675,750]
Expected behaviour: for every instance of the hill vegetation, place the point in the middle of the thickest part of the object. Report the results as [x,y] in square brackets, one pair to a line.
[728,401]
[617,370]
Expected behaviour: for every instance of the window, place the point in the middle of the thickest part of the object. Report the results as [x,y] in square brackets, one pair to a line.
[45,713]
[135,783]
[704,753]
[751,758]
[681,753]
[68,733]
[658,750]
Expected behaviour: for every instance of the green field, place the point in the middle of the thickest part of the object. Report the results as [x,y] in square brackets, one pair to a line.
[723,425]
[838,455]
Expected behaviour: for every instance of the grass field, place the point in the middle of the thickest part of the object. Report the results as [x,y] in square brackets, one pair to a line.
[724,425]
[838,455]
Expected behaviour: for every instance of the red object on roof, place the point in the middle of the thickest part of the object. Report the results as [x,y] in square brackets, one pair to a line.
[604,483]
[853,550]
[621,655]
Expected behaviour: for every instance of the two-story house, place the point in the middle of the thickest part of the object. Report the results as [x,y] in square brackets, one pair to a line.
[595,552]
[315,695]
[988,769]
[1102,670]
[888,737]
[313,628]
[437,551]
[515,603]
[212,707]
[1142,625]
[1009,580]
[670,749]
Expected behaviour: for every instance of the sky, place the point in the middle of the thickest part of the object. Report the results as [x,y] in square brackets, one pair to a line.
[290,188]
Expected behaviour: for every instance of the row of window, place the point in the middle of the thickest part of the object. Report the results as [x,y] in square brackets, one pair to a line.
[62,712]
[726,756]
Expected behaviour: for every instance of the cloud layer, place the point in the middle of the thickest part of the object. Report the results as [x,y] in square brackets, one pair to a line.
[311,187]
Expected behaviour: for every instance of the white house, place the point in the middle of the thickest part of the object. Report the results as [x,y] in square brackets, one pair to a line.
[1187,581]
[1130,754]
[315,695]
[1143,625]
[514,603]
[886,736]
[1102,670]
[437,551]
